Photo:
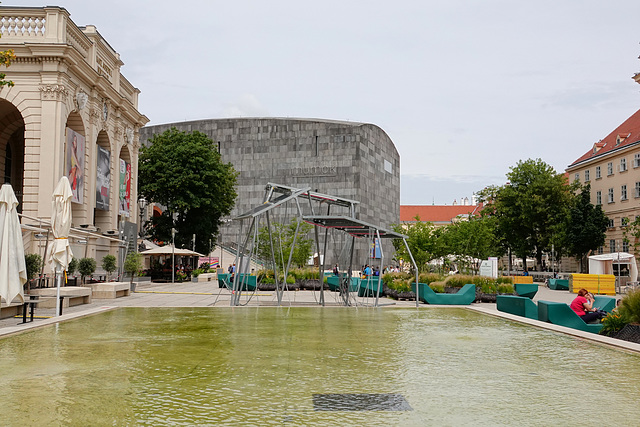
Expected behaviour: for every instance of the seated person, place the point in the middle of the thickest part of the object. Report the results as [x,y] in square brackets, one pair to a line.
[582,305]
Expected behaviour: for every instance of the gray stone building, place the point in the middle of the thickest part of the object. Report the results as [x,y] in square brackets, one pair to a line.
[356,161]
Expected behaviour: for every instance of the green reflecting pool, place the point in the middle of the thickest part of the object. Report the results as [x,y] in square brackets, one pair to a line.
[262,366]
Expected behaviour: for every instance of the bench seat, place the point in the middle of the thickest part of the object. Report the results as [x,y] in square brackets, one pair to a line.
[73,295]
[528,290]
[110,290]
[518,305]
[559,284]
[370,287]
[465,296]
[561,314]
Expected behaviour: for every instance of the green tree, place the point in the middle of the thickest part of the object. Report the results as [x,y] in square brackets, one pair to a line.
[86,267]
[184,172]
[585,228]
[531,208]
[423,241]
[34,264]
[109,264]
[133,265]
[73,266]
[473,240]
[283,235]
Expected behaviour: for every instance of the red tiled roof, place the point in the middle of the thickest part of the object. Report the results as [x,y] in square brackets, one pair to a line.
[436,213]
[627,133]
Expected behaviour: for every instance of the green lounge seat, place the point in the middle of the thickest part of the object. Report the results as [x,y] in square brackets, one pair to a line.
[561,314]
[223,280]
[370,287]
[604,303]
[465,296]
[334,284]
[247,282]
[520,306]
[528,290]
[559,284]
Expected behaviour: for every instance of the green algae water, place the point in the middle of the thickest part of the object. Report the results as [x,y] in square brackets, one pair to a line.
[263,366]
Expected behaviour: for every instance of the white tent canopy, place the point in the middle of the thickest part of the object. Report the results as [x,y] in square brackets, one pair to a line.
[603,264]
[168,250]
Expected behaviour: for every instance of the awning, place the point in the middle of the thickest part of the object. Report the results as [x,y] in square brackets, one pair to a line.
[168,250]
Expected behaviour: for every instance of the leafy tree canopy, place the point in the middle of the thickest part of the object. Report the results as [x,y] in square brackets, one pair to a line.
[184,173]
[531,208]
[283,236]
[586,227]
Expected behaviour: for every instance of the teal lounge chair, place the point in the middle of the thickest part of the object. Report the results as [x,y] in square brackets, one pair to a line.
[561,314]
[247,282]
[559,284]
[528,290]
[465,296]
[370,286]
[520,306]
[223,280]
[334,284]
[604,303]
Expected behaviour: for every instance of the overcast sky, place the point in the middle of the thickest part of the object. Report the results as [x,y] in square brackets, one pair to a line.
[465,89]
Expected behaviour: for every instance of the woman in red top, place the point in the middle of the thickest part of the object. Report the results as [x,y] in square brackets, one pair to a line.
[583,306]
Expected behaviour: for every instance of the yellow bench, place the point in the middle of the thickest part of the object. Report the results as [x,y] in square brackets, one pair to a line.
[594,283]
[522,279]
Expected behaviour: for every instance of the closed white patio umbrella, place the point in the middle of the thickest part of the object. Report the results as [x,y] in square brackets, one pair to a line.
[59,250]
[13,270]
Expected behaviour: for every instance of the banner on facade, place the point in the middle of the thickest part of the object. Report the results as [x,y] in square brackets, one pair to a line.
[214,262]
[125,188]
[103,178]
[75,164]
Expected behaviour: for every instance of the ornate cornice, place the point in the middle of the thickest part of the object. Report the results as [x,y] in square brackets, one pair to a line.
[53,92]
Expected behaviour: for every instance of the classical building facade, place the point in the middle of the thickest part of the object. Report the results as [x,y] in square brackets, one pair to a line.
[612,168]
[357,161]
[71,112]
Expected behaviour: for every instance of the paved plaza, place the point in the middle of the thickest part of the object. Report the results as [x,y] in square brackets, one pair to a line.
[208,294]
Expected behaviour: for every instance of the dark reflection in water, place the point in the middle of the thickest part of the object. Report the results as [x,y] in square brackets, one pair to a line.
[360,402]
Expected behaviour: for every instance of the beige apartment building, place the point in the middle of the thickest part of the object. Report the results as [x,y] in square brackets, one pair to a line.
[612,167]
[71,112]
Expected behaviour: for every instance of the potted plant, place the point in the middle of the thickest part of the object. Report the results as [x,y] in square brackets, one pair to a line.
[86,267]
[133,266]
[109,264]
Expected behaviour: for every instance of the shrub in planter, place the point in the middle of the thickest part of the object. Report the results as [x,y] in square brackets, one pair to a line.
[613,323]
[73,266]
[436,287]
[630,306]
[429,278]
[86,267]
[505,288]
[459,280]
[109,264]
[34,265]
[197,272]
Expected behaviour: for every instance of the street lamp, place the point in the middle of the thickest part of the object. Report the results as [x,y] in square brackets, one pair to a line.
[142,204]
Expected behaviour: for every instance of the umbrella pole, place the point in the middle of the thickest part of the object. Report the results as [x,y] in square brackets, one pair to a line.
[58,280]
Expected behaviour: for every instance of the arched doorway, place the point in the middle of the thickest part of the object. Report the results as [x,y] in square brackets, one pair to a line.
[75,152]
[105,196]
[12,148]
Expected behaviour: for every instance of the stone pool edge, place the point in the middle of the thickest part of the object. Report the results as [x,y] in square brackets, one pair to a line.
[601,339]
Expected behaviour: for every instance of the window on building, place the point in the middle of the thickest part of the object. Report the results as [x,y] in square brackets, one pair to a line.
[624,221]
[610,168]
[598,173]
[625,246]
[610,199]
[623,192]
[576,177]
[600,250]
[598,197]
[637,189]
[388,166]
[623,164]
[636,160]
[612,245]
[611,224]
[587,176]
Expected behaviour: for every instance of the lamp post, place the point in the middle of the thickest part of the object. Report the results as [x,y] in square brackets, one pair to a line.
[142,204]
[173,255]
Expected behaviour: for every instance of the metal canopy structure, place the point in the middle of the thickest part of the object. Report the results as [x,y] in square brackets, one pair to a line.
[351,226]
[277,195]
